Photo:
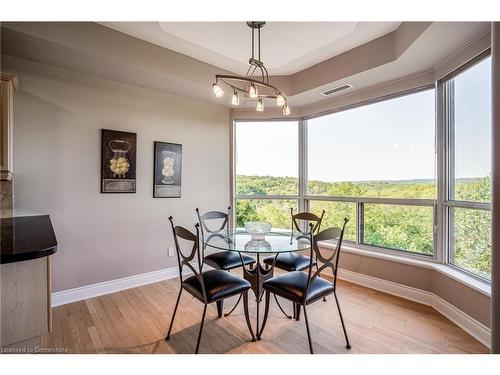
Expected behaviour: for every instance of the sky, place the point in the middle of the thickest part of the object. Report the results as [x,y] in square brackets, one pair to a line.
[389,140]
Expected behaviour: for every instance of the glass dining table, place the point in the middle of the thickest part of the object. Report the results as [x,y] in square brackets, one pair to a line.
[273,243]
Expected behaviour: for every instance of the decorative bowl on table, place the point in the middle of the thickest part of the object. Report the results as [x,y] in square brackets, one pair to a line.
[258,245]
[257,229]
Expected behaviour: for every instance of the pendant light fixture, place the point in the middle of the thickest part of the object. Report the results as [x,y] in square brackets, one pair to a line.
[236,99]
[255,84]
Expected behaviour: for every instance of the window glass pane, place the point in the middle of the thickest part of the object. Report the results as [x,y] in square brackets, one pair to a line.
[384,149]
[471,97]
[267,158]
[408,228]
[274,211]
[470,240]
[335,212]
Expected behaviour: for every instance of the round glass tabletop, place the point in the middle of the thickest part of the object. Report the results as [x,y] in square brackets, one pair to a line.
[241,241]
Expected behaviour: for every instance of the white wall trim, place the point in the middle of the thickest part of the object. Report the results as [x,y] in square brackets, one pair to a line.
[470,325]
[94,290]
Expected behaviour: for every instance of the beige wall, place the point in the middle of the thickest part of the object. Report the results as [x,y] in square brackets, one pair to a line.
[102,237]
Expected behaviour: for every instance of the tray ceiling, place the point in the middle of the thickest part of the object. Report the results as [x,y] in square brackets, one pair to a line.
[287,47]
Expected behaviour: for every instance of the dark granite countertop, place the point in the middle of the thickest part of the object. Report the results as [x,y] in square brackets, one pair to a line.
[26,238]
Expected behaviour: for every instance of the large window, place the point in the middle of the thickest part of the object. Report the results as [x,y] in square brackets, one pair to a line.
[470,240]
[468,119]
[267,171]
[382,157]
[383,150]
[274,211]
[407,228]
[335,212]
[406,183]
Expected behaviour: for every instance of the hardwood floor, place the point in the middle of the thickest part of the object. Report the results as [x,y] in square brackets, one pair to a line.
[136,321]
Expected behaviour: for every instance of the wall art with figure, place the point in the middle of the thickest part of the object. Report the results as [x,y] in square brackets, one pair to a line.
[167,170]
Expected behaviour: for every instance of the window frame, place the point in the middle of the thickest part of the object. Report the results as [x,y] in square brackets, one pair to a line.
[446,87]
[235,196]
[441,204]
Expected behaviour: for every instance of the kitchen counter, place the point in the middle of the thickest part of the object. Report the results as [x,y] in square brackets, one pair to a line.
[26,244]
[26,238]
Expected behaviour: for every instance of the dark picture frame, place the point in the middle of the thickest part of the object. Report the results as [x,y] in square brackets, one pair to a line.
[118,161]
[167,173]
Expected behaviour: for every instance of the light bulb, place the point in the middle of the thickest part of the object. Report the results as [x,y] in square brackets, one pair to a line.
[280,100]
[252,92]
[260,105]
[235,100]
[217,90]
[286,109]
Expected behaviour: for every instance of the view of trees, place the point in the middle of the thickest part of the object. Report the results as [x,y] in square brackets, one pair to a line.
[408,228]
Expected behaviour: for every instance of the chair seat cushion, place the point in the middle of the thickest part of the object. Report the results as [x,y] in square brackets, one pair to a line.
[290,262]
[227,260]
[292,286]
[218,285]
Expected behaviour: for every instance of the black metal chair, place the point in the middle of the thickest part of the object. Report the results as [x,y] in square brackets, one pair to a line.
[221,260]
[209,286]
[292,261]
[304,288]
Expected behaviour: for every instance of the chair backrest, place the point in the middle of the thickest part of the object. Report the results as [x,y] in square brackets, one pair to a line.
[192,256]
[309,218]
[209,216]
[330,262]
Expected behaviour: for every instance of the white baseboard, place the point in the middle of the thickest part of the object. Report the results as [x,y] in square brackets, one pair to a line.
[464,321]
[476,329]
[77,294]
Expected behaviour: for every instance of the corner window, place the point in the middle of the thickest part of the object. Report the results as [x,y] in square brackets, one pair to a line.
[267,171]
[468,124]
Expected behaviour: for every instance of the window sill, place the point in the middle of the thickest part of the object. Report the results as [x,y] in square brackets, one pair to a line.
[473,283]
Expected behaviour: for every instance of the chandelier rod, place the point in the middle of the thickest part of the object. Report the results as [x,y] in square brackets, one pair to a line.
[259,41]
[253,48]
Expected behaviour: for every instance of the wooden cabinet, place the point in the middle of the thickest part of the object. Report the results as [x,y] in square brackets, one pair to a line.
[8,88]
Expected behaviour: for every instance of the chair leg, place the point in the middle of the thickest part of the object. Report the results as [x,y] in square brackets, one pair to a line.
[173,315]
[283,311]
[307,328]
[348,345]
[201,329]
[247,316]
[234,307]
[297,312]
[266,313]
[220,305]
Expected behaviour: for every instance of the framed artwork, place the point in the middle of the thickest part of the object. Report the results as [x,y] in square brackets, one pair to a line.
[167,170]
[118,161]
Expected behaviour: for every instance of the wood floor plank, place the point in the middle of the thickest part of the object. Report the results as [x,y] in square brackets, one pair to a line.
[136,321]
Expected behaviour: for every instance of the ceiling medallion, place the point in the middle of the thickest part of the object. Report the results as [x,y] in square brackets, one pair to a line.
[255,84]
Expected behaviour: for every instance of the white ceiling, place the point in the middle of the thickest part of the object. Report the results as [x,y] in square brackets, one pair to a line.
[287,47]
[99,51]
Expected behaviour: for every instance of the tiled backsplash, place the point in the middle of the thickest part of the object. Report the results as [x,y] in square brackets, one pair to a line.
[6,198]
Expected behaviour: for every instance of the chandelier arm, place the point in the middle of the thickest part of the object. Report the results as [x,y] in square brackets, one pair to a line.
[267,74]
[252,72]
[248,70]
[224,78]
[263,74]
